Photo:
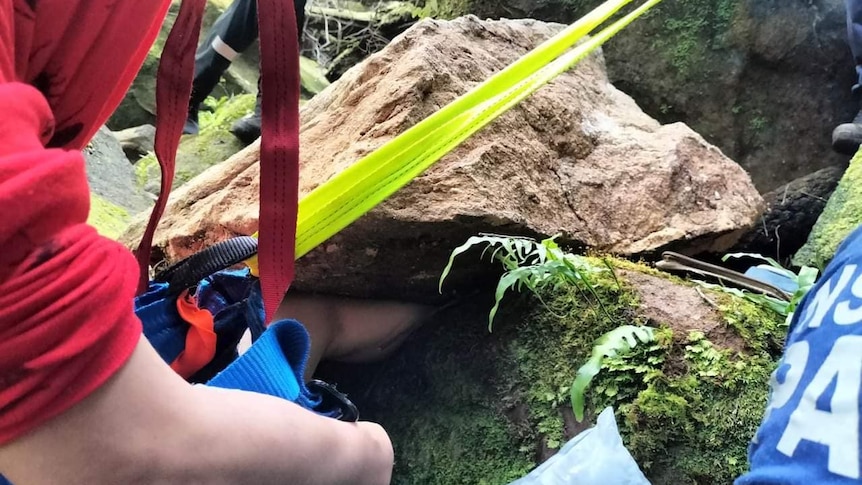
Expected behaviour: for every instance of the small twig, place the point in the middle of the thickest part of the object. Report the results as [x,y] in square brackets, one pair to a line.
[706,299]
[814,196]
[777,243]
[784,197]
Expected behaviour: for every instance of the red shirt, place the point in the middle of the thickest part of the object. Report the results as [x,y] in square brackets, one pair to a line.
[66,317]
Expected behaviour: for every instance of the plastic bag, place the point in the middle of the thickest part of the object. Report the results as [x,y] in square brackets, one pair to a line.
[596,456]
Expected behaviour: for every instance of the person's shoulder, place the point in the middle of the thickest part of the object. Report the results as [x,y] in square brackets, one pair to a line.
[811,429]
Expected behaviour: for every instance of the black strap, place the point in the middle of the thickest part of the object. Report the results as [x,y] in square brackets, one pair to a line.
[188,272]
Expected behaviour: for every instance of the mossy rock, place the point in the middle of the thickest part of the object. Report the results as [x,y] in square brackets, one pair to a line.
[465,406]
[842,214]
[214,144]
[109,219]
[138,107]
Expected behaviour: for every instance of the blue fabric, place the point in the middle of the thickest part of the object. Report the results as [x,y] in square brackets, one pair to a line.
[225,294]
[274,365]
[162,324]
[769,275]
[811,429]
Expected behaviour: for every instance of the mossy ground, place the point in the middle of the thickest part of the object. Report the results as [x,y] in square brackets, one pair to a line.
[214,144]
[687,408]
[110,220]
[842,214]
[466,406]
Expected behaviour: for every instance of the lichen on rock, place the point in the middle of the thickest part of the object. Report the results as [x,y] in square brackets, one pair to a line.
[109,219]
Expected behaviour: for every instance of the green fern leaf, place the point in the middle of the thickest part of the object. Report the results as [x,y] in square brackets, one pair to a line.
[619,340]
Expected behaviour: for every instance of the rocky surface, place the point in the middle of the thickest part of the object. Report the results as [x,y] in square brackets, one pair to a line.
[842,214]
[137,141]
[578,158]
[114,196]
[765,81]
[213,145]
[110,174]
[791,212]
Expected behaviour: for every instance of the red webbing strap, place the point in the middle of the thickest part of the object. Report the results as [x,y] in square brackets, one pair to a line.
[173,89]
[279,150]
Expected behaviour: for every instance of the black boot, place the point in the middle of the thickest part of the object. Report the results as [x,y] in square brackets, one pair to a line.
[209,67]
[847,137]
[247,129]
[191,127]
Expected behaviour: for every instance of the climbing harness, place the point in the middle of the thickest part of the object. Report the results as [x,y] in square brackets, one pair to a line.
[195,313]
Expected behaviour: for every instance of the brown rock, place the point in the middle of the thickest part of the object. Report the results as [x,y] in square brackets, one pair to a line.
[578,158]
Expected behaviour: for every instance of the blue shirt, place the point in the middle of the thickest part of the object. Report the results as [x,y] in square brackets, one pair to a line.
[810,433]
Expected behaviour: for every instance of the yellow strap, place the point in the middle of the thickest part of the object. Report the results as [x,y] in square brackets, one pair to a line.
[353,192]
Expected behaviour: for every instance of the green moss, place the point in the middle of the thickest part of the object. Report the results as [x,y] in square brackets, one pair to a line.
[843,213]
[689,31]
[146,168]
[446,410]
[761,329]
[214,144]
[447,9]
[693,421]
[109,219]
[466,406]
[554,341]
[679,393]
[312,76]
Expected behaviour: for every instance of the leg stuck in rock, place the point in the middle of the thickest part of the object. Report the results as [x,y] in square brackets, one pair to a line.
[350,329]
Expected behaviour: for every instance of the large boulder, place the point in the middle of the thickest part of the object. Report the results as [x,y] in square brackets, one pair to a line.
[764,80]
[111,175]
[577,158]
[137,141]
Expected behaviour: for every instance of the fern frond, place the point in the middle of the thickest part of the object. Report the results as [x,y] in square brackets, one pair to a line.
[619,340]
[532,265]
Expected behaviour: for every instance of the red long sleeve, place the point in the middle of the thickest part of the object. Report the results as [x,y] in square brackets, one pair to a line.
[66,316]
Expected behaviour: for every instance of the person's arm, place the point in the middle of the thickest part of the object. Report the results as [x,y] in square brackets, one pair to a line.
[147,425]
[83,399]
[74,406]
[811,429]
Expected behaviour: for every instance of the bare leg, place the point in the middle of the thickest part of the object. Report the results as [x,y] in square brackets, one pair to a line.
[351,329]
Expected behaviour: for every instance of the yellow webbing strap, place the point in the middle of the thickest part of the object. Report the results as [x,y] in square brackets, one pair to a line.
[353,192]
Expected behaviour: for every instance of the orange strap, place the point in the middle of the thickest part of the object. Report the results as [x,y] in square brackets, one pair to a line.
[200,341]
